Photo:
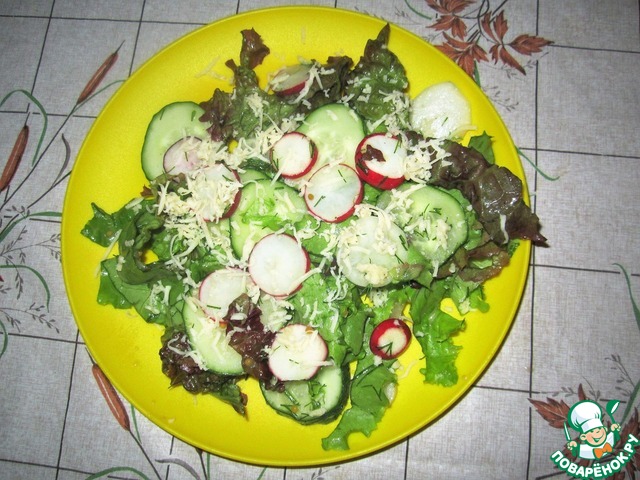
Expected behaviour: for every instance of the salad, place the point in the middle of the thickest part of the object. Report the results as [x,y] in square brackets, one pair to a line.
[304,234]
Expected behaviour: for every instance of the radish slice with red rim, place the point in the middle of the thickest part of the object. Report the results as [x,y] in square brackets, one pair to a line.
[380,161]
[297,352]
[278,264]
[290,80]
[182,156]
[294,154]
[220,288]
[332,192]
[390,338]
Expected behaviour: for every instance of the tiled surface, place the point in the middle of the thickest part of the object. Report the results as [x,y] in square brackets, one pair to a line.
[574,113]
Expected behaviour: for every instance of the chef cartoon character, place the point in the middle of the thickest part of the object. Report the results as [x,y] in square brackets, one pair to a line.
[596,440]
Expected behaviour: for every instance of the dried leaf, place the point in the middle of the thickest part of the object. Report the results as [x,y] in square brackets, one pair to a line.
[485,24]
[111,396]
[465,54]
[98,76]
[529,44]
[449,6]
[581,394]
[449,22]
[500,26]
[554,412]
[14,157]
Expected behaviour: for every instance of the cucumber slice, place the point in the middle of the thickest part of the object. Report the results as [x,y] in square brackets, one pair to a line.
[171,124]
[371,250]
[336,131]
[209,339]
[318,400]
[250,175]
[433,219]
[264,207]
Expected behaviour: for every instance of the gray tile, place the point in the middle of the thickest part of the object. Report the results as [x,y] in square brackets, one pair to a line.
[73,52]
[20,471]
[247,5]
[392,458]
[222,467]
[33,408]
[591,23]
[21,40]
[595,198]
[586,317]
[92,427]
[470,440]
[188,11]
[588,102]
[110,10]
[154,37]
[35,241]
[30,8]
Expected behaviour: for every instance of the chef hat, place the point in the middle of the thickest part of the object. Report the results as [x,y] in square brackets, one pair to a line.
[585,415]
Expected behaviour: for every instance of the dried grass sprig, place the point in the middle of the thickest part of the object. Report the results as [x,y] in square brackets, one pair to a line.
[111,396]
[98,76]
[15,157]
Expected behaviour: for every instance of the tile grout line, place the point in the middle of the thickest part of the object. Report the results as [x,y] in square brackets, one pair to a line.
[66,410]
[533,250]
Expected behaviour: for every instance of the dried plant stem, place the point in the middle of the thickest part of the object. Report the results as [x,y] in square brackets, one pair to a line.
[14,158]
[111,396]
[98,76]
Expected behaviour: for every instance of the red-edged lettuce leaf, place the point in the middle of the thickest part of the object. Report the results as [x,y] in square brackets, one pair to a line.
[183,370]
[495,193]
[249,338]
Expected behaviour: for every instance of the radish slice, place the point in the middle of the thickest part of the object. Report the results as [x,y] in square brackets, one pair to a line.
[220,288]
[441,111]
[390,338]
[294,155]
[332,192]
[182,156]
[290,80]
[219,197]
[278,264]
[380,161]
[297,352]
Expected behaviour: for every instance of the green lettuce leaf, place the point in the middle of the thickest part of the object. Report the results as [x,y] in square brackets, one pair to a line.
[368,403]
[378,74]
[434,330]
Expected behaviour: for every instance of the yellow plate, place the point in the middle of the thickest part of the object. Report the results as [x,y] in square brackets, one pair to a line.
[107,172]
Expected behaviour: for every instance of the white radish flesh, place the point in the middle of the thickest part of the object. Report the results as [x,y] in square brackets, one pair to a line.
[332,192]
[297,352]
[293,155]
[290,80]
[182,156]
[390,338]
[441,111]
[220,288]
[278,264]
[220,194]
[380,161]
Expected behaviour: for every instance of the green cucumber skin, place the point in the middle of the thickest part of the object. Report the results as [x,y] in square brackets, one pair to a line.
[280,402]
[220,359]
[425,201]
[243,230]
[170,124]
[430,199]
[336,130]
